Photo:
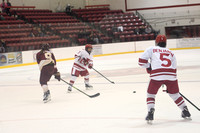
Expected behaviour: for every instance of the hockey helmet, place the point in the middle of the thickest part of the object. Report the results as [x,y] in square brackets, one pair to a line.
[161,40]
[45,46]
[88,48]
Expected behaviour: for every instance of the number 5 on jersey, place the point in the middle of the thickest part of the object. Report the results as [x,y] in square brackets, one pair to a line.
[163,58]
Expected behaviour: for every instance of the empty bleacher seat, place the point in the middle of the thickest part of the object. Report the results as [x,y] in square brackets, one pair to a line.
[4,22]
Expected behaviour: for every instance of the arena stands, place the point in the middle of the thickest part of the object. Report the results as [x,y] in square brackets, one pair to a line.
[27,29]
[15,33]
[109,22]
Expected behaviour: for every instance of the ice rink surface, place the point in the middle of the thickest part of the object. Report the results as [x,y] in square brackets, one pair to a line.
[116,110]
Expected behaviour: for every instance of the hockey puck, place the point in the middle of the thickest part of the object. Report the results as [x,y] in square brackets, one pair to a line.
[134,91]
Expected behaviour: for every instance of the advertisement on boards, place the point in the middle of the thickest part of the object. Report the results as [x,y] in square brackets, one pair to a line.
[10,58]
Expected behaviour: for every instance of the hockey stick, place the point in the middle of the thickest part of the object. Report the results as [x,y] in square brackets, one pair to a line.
[186,100]
[91,96]
[189,101]
[103,76]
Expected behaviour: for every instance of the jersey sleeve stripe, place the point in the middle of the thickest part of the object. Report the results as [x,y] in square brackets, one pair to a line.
[142,60]
[142,64]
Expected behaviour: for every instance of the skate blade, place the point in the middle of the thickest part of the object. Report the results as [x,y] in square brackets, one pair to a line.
[89,88]
[188,118]
[46,101]
[69,91]
[150,122]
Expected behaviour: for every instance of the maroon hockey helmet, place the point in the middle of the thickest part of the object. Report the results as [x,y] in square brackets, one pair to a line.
[45,46]
[161,40]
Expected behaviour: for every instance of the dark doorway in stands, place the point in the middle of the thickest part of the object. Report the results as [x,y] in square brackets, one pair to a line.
[183,31]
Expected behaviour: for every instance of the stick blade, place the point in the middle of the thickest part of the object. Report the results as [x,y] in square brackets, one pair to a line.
[95,95]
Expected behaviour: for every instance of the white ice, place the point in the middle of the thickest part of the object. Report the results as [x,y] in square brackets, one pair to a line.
[116,110]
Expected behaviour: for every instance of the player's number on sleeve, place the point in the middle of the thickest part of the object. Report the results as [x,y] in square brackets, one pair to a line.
[163,58]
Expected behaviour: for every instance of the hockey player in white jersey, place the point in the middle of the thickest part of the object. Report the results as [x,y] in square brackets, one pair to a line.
[83,60]
[160,63]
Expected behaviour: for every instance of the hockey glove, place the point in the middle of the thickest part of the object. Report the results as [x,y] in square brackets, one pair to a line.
[149,69]
[90,66]
[57,76]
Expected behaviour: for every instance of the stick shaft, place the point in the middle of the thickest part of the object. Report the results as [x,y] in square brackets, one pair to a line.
[189,101]
[75,88]
[102,75]
[186,100]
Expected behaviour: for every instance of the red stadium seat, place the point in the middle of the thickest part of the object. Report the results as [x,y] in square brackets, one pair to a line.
[82,41]
[122,38]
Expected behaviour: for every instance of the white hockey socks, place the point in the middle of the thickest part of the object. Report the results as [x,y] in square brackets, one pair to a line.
[178,99]
[86,79]
[150,101]
[45,88]
[73,79]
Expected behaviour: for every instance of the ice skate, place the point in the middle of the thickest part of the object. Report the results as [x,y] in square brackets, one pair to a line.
[46,97]
[186,114]
[69,89]
[88,86]
[149,117]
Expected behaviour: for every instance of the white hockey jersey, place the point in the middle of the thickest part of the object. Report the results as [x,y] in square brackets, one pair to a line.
[82,60]
[162,62]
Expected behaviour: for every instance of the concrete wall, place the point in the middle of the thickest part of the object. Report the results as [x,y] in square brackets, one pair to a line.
[161,18]
[49,4]
[157,3]
[54,4]
[96,2]
[117,4]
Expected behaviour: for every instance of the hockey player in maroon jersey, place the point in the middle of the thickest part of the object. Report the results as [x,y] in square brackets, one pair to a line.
[47,65]
[162,70]
[83,60]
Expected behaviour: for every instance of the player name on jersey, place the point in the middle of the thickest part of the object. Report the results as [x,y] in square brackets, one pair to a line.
[163,51]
